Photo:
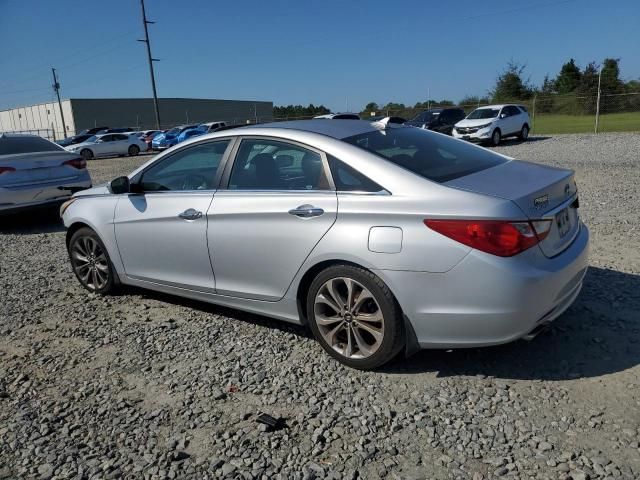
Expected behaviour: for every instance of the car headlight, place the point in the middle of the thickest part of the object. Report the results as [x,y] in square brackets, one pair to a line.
[66,205]
[486,125]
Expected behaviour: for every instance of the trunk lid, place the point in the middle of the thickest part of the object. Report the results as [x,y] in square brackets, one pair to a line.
[37,168]
[541,192]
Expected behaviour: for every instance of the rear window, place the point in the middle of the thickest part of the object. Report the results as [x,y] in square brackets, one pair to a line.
[430,155]
[26,144]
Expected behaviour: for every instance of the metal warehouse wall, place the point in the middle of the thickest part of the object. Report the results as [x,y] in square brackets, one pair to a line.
[42,119]
[139,113]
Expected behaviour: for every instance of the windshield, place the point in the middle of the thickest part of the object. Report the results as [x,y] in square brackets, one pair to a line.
[173,131]
[484,113]
[430,155]
[92,139]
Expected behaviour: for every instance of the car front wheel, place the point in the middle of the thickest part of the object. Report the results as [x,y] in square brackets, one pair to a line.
[86,154]
[355,317]
[90,261]
[496,137]
[134,150]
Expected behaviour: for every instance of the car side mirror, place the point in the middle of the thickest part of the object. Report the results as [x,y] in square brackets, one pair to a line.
[503,115]
[120,185]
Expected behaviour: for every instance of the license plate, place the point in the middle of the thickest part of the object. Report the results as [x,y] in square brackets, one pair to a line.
[563,221]
[466,137]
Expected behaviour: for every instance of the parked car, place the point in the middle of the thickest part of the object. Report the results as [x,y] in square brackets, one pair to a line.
[380,118]
[93,131]
[73,140]
[378,239]
[210,127]
[117,130]
[35,172]
[340,116]
[190,133]
[108,144]
[493,123]
[169,138]
[438,119]
[148,138]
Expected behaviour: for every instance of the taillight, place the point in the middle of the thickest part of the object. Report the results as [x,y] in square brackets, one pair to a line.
[497,237]
[78,163]
[6,170]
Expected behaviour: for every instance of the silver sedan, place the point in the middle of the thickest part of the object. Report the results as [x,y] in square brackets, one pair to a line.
[35,172]
[381,238]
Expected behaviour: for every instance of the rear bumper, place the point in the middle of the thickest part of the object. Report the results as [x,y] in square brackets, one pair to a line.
[488,300]
[32,196]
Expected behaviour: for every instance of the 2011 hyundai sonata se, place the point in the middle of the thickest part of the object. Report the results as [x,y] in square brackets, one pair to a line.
[377,236]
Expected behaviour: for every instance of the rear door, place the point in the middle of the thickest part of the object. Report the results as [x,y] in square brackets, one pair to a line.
[120,143]
[277,205]
[162,232]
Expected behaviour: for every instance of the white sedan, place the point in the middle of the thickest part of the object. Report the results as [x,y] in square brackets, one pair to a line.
[109,144]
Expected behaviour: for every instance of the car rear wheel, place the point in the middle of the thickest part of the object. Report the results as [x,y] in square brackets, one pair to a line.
[496,137]
[86,154]
[355,317]
[133,150]
[524,132]
[91,262]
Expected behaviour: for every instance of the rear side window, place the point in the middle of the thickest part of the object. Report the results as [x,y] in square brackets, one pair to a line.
[10,145]
[348,179]
[276,165]
[432,156]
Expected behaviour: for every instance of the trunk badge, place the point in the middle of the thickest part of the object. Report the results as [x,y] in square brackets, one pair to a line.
[541,202]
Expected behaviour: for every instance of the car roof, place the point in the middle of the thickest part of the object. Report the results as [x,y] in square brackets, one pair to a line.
[500,105]
[336,128]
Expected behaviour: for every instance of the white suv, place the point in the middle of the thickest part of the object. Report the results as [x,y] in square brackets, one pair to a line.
[493,123]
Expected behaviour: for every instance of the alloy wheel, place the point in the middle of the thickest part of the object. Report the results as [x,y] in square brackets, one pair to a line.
[90,263]
[349,318]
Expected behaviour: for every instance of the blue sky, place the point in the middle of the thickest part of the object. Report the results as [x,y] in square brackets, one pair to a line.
[340,53]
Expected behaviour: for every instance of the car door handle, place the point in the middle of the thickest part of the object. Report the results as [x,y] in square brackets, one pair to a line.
[190,214]
[306,211]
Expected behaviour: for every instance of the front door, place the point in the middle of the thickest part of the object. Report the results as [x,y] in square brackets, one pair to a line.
[162,232]
[277,206]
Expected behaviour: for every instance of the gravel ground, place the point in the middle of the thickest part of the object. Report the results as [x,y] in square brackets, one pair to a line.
[144,385]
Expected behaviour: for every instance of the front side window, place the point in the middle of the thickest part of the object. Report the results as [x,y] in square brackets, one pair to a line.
[431,156]
[193,168]
[276,165]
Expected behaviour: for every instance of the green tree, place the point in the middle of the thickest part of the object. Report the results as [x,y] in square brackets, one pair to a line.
[589,80]
[371,107]
[569,78]
[474,100]
[510,85]
[610,82]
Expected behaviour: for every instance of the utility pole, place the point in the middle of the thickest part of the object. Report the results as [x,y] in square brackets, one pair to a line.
[598,101]
[56,87]
[145,22]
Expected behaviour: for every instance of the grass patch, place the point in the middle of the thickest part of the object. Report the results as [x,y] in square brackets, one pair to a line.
[610,122]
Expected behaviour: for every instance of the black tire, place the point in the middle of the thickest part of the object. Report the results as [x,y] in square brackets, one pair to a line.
[393,327]
[82,242]
[496,137]
[133,150]
[524,133]
[86,154]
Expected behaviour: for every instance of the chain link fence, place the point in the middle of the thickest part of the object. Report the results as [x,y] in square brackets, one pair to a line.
[554,113]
